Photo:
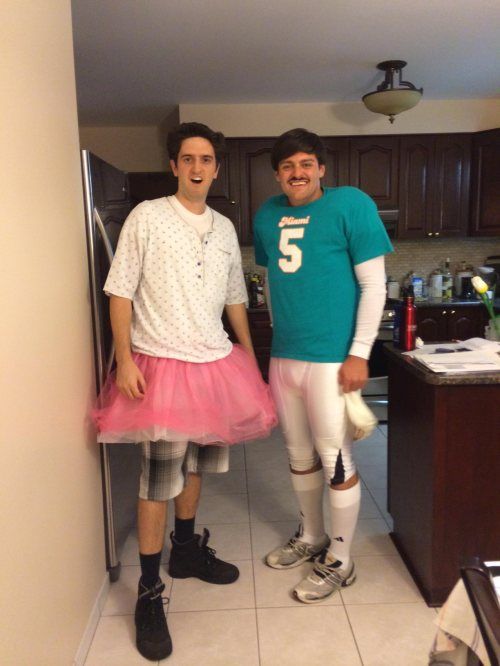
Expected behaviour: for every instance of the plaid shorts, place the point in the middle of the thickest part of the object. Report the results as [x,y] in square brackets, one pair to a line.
[165,466]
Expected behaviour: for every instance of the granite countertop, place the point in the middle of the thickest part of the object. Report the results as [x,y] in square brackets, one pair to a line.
[439,302]
[439,379]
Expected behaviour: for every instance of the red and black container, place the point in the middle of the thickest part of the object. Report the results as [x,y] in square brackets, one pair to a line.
[405,321]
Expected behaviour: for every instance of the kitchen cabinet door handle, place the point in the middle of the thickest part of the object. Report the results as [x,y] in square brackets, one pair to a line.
[437,233]
[430,233]
[233,203]
[444,312]
[453,312]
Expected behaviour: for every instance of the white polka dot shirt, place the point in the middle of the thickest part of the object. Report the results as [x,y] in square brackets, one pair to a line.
[177,281]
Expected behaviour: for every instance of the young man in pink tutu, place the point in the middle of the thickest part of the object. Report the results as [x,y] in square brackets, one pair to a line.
[324,252]
[180,384]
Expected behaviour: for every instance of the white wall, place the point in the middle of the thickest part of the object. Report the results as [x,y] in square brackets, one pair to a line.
[347,118]
[52,554]
[127,148]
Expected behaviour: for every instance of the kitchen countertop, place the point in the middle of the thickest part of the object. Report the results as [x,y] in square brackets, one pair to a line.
[439,302]
[439,379]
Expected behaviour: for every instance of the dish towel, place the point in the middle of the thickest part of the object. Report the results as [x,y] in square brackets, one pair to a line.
[360,415]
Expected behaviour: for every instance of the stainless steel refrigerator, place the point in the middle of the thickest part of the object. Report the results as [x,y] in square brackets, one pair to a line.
[107,204]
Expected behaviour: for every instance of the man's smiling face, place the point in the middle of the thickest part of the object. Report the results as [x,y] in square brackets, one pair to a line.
[299,176]
[196,168]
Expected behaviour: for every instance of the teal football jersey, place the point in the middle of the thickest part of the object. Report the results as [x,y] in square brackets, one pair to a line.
[310,252]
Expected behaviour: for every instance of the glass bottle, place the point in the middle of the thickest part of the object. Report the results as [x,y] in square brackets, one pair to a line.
[447,281]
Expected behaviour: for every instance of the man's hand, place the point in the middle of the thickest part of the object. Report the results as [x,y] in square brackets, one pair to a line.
[353,373]
[130,380]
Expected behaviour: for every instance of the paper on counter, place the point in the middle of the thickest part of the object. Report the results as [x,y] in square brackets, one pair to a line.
[472,344]
[462,362]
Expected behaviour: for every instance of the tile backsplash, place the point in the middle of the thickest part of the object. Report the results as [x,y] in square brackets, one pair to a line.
[421,256]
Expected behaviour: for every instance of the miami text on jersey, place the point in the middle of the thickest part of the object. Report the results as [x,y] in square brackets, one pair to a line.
[286,221]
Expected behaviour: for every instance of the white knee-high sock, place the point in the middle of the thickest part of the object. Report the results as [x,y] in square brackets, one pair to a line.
[309,491]
[344,510]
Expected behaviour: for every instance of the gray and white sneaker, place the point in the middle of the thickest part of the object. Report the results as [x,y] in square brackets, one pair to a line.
[325,579]
[295,552]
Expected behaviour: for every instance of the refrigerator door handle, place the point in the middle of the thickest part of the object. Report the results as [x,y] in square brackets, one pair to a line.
[109,253]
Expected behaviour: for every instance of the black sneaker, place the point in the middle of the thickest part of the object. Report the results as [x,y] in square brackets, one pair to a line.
[194,559]
[152,637]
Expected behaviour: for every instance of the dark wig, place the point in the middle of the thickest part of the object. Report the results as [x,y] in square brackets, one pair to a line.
[190,130]
[297,141]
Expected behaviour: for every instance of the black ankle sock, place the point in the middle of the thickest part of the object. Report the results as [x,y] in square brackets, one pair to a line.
[150,568]
[184,529]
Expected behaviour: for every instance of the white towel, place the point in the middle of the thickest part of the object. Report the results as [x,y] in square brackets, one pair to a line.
[360,415]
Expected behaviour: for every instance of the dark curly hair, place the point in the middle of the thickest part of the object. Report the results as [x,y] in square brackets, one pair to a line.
[297,140]
[190,130]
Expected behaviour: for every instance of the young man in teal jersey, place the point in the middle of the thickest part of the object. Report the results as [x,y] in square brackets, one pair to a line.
[324,253]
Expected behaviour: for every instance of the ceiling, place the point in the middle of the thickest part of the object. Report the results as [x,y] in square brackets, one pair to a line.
[136,60]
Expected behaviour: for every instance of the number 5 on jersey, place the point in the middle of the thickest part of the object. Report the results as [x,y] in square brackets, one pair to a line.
[292,252]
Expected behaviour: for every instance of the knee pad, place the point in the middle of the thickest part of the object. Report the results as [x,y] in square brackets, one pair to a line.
[338,467]
[301,461]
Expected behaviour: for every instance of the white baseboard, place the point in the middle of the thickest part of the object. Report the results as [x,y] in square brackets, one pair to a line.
[95,615]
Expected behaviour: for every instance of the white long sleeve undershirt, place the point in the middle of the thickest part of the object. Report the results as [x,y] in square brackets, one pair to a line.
[371,278]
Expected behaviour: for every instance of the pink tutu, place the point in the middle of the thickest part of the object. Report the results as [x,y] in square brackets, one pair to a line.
[220,402]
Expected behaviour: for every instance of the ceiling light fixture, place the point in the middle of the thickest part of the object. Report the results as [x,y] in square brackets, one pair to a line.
[391,99]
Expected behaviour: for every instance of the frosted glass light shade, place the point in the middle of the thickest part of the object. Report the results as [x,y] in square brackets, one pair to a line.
[392,102]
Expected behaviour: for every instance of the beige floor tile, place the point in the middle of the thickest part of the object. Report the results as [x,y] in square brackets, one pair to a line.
[123,594]
[233,481]
[380,497]
[381,579]
[393,634]
[273,587]
[269,480]
[214,638]
[130,552]
[266,454]
[375,454]
[231,541]
[191,594]
[237,457]
[269,535]
[306,636]
[372,538]
[228,508]
[273,506]
[368,507]
[114,643]
[374,475]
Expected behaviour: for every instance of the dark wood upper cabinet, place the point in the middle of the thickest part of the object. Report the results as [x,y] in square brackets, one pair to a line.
[415,186]
[373,167]
[452,173]
[426,176]
[434,185]
[258,181]
[224,195]
[485,209]
[337,161]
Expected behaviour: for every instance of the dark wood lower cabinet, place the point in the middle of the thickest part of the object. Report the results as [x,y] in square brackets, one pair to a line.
[444,466]
[450,322]
[262,334]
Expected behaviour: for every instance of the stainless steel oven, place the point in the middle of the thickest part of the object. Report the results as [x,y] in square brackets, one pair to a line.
[375,391]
